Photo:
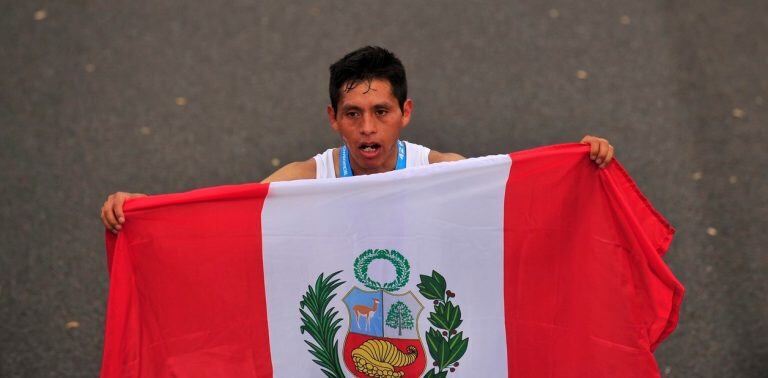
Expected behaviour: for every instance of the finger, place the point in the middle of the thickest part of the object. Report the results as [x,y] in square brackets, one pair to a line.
[107,226]
[104,217]
[608,157]
[119,201]
[109,213]
[113,212]
[594,149]
[603,151]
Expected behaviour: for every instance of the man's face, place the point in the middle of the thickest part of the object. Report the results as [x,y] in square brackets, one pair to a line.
[369,121]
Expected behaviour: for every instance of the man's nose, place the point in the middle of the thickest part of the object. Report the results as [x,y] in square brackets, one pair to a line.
[369,125]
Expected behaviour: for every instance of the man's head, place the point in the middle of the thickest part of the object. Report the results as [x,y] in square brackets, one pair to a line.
[362,66]
[369,107]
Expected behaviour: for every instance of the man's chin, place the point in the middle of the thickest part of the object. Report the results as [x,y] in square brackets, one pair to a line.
[371,164]
[375,164]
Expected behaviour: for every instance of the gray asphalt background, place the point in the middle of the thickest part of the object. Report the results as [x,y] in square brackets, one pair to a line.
[88,106]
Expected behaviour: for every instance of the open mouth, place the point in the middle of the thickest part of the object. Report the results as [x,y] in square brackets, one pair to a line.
[370,150]
[370,147]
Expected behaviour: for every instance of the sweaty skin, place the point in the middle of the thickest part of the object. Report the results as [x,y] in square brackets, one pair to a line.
[369,121]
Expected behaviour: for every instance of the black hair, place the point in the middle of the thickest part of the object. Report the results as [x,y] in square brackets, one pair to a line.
[365,64]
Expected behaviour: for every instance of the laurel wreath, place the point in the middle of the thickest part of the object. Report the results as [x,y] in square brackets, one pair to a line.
[402,269]
[445,342]
[322,324]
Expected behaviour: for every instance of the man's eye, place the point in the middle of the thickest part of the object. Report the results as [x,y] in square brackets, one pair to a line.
[353,114]
[382,112]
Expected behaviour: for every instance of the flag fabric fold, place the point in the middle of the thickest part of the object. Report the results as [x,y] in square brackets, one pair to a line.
[532,264]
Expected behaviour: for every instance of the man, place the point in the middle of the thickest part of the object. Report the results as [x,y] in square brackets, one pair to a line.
[369,107]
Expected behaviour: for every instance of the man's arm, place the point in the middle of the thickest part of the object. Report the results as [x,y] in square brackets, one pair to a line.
[294,171]
[439,157]
[600,151]
[112,211]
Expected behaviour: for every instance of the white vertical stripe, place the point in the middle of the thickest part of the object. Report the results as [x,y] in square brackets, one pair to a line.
[447,217]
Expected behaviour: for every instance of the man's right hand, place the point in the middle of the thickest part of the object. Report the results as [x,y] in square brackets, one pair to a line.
[112,212]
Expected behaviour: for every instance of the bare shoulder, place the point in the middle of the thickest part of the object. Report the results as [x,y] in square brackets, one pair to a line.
[439,157]
[298,170]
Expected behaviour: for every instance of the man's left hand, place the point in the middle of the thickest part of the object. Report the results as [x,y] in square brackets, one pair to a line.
[600,151]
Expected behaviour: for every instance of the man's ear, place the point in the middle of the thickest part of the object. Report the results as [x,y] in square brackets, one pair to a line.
[407,109]
[332,118]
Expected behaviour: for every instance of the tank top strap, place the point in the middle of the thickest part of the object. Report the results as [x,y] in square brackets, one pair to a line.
[325,168]
[416,155]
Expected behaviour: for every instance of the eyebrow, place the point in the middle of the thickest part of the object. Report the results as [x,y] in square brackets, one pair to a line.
[348,107]
[345,108]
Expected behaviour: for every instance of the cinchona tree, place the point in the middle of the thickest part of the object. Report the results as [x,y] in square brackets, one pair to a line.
[399,317]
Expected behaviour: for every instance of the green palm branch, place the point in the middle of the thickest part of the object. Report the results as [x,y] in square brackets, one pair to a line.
[322,324]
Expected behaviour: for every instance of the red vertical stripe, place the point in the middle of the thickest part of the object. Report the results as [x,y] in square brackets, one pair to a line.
[187,295]
[586,292]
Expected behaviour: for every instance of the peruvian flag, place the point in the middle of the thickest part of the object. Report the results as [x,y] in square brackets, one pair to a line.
[533,264]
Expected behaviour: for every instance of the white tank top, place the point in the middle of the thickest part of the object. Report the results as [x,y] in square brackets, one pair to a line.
[415,156]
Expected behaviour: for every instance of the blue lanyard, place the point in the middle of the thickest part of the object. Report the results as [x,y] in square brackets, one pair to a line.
[345,169]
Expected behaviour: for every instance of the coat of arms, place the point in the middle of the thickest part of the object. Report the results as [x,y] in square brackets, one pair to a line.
[383,336]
